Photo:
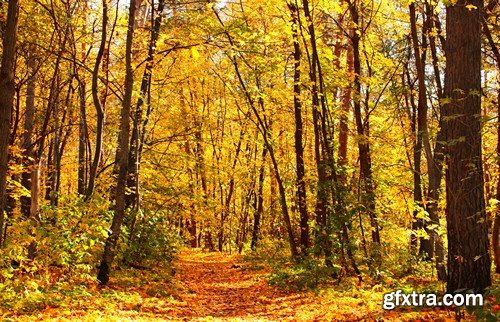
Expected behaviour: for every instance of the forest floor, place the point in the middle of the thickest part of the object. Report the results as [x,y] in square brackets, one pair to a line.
[212,286]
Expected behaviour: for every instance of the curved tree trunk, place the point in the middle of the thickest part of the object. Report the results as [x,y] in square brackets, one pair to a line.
[426,244]
[99,108]
[122,156]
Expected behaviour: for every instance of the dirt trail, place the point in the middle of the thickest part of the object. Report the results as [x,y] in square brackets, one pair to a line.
[220,286]
[212,287]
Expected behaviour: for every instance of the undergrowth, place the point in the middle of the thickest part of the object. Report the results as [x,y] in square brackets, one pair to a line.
[399,271]
[70,240]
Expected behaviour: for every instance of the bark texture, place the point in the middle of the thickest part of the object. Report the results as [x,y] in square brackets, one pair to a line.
[7,92]
[299,149]
[468,254]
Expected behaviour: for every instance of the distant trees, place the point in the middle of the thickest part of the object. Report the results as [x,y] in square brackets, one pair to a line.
[252,125]
[488,30]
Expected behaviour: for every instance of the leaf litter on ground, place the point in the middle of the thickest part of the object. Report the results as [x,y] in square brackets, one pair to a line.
[212,286]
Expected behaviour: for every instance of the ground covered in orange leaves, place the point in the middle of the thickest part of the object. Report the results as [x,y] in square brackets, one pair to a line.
[209,286]
[222,286]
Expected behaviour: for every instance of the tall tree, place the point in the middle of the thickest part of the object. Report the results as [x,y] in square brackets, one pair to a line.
[322,138]
[140,120]
[122,155]
[432,245]
[362,126]
[6,101]
[426,244]
[29,116]
[30,177]
[99,108]
[299,128]
[259,200]
[468,254]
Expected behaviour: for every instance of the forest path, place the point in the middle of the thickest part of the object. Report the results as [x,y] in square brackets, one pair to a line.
[206,287]
[221,286]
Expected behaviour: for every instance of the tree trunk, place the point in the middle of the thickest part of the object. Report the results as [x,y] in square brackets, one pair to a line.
[82,139]
[53,154]
[227,202]
[434,191]
[137,136]
[321,143]
[426,244]
[6,102]
[192,231]
[417,223]
[435,168]
[299,149]
[29,178]
[259,202]
[122,155]
[29,115]
[344,120]
[468,254]
[99,108]
[366,173]
[61,135]
[200,172]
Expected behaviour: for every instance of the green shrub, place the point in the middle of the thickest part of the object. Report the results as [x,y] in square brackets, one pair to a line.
[151,239]
[309,274]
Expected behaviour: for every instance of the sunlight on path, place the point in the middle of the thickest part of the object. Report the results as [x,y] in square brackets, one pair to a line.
[221,287]
[213,287]
[216,286]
